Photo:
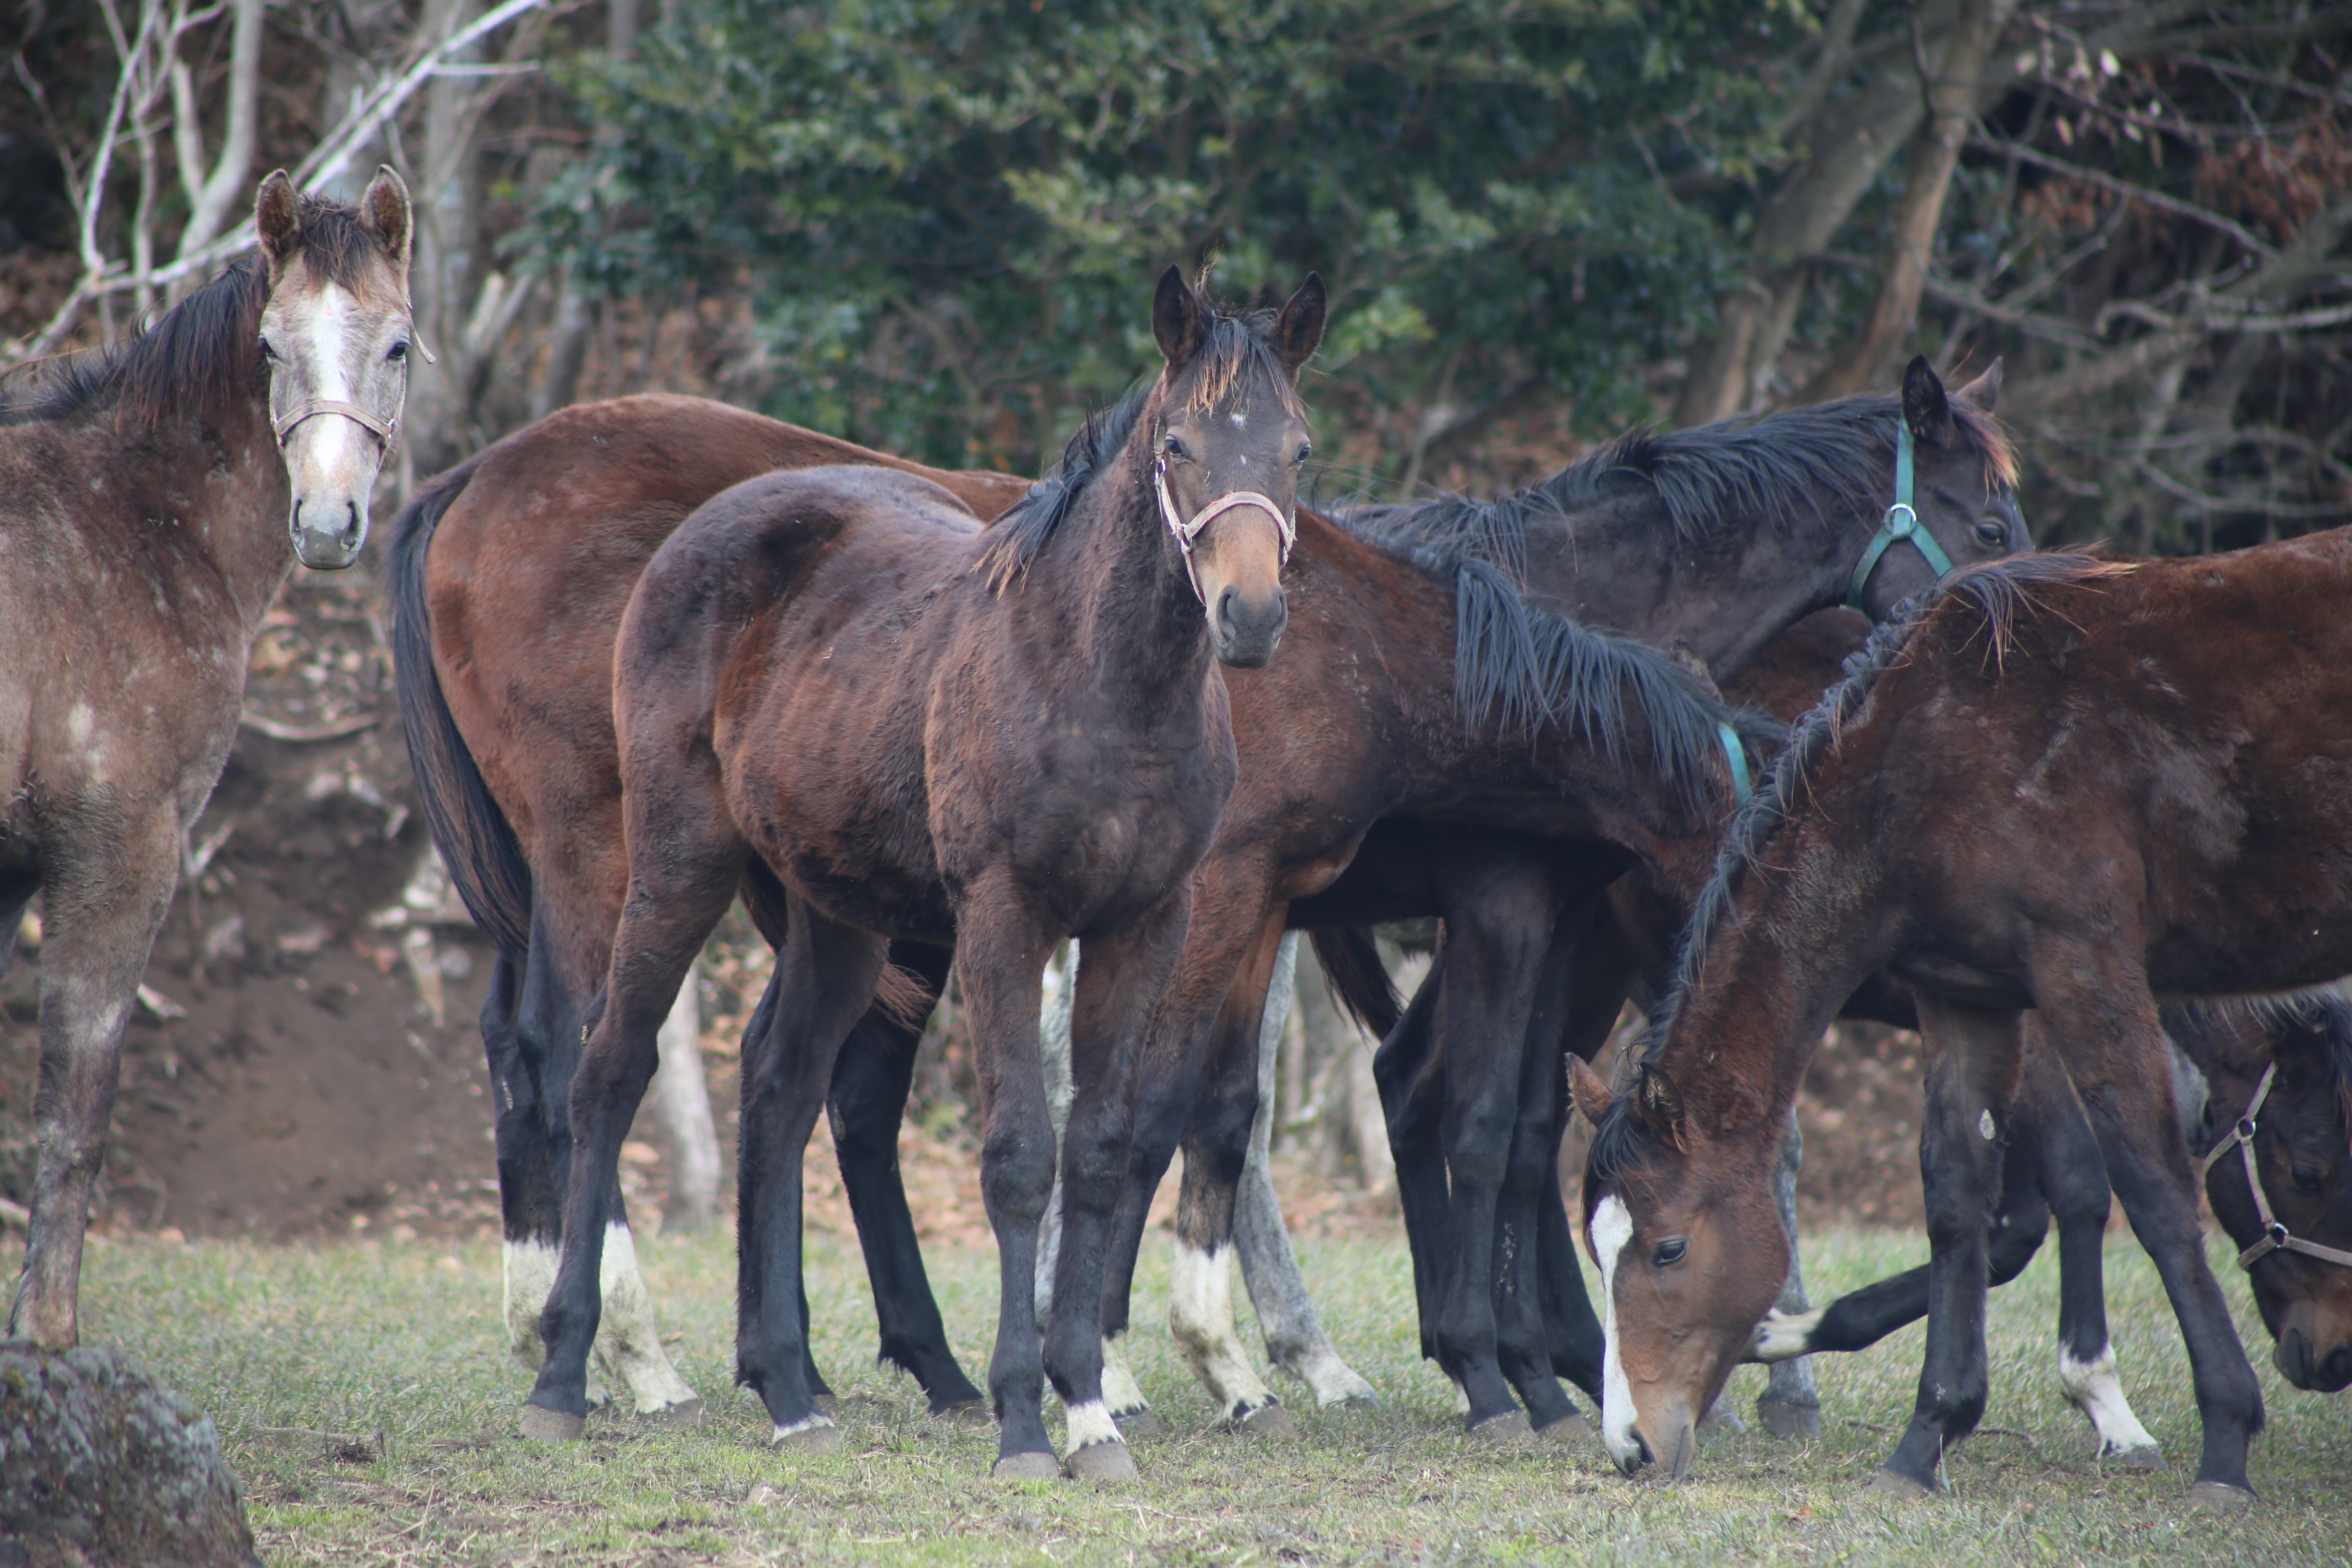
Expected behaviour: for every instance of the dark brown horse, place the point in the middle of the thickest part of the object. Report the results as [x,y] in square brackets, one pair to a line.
[508,577]
[1714,540]
[2066,784]
[995,739]
[2282,1068]
[147,491]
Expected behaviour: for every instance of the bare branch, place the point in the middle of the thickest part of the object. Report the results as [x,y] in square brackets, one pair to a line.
[2166,483]
[2141,193]
[225,186]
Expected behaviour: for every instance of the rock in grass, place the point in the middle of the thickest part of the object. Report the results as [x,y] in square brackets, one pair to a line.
[102,1467]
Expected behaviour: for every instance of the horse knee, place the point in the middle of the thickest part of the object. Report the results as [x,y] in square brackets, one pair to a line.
[1016,1173]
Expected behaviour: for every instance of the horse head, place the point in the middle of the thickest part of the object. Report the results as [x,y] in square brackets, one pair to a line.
[2301,1126]
[1953,495]
[1232,438]
[337,333]
[1692,1254]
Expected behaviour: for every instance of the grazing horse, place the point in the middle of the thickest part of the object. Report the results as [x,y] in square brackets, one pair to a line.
[147,491]
[508,576]
[1712,540]
[2066,784]
[992,740]
[2278,1077]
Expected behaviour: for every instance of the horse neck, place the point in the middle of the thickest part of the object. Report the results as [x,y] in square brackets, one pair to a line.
[241,519]
[1122,595]
[1623,563]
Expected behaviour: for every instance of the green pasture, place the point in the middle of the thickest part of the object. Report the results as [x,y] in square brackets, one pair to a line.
[362,1394]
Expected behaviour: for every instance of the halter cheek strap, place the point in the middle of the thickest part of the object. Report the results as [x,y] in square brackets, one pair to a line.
[387,431]
[2275,1235]
[1284,523]
[1735,752]
[1900,525]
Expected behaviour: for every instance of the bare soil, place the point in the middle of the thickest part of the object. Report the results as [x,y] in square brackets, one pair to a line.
[326,1075]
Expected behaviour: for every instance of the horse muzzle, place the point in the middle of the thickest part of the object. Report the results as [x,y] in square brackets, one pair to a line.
[329,530]
[2307,1365]
[1244,631]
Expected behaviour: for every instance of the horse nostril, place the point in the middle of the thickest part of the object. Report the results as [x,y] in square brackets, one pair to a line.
[2336,1371]
[1225,600]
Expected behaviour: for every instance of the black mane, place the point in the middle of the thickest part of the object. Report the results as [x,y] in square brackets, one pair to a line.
[1014,539]
[195,357]
[1783,469]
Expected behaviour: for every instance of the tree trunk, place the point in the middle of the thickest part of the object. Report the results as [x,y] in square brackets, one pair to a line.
[1934,153]
[683,1097]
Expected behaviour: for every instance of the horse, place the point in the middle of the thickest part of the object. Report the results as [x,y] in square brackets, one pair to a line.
[1711,539]
[2277,1076]
[508,576]
[2066,783]
[993,740]
[150,488]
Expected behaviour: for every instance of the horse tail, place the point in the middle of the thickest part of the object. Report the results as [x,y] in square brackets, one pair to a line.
[477,842]
[1359,980]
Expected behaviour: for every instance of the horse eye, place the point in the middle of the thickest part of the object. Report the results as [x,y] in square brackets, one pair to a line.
[2307,1180]
[1669,1252]
[267,352]
[1173,447]
[399,352]
[1993,533]
[1304,452]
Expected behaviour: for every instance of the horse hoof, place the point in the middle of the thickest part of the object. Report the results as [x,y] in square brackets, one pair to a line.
[1364,1399]
[1508,1430]
[1267,1421]
[1896,1487]
[818,1437]
[541,1424]
[685,1412]
[1027,1468]
[2150,1457]
[1103,1464]
[2220,1496]
[965,1413]
[1788,1420]
[1140,1422]
[1722,1418]
[1572,1427]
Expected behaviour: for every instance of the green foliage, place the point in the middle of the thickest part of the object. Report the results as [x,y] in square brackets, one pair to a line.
[949,214]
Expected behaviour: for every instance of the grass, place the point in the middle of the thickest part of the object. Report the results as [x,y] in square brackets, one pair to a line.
[362,1394]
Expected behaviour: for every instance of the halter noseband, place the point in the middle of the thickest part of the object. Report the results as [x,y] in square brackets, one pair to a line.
[387,431]
[1901,524]
[1285,523]
[2275,1235]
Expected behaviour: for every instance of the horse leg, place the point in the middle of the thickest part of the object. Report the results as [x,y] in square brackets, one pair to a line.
[867,1102]
[1790,1407]
[102,915]
[1293,1331]
[825,974]
[2106,1028]
[1522,1349]
[1972,1073]
[2065,1154]
[1596,995]
[681,884]
[531,1197]
[1000,954]
[1412,1082]
[1216,1146]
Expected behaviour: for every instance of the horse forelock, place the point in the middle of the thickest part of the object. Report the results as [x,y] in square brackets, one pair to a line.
[1236,360]
[197,356]
[1783,468]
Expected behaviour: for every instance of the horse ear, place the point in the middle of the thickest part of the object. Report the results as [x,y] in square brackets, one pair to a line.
[1299,331]
[1180,323]
[276,218]
[383,213]
[1925,408]
[1592,1096]
[1985,390]
[1660,1104]
[1696,668]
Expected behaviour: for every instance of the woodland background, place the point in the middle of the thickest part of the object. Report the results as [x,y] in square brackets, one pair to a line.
[932,226]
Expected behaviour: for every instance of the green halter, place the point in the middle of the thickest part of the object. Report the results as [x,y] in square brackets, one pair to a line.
[1902,523]
[1736,753]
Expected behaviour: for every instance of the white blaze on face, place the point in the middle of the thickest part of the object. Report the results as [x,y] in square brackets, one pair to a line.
[2093,1388]
[1612,1232]
[1201,1316]
[327,446]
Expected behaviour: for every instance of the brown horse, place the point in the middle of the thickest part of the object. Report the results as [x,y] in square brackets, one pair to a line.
[995,739]
[146,491]
[2280,1069]
[508,577]
[2066,784]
